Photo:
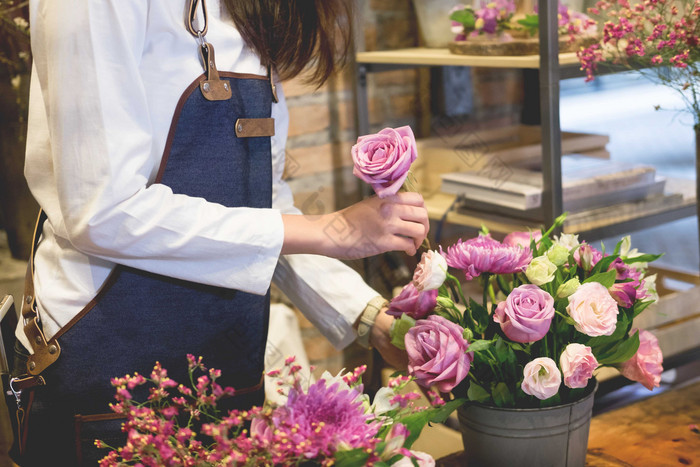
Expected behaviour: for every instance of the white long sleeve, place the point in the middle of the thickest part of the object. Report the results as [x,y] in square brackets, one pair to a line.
[329,293]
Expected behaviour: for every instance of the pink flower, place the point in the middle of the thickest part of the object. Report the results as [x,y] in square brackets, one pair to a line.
[484,254]
[645,367]
[526,314]
[423,459]
[261,431]
[593,309]
[437,353]
[624,293]
[430,272]
[412,302]
[383,159]
[624,271]
[522,238]
[541,378]
[586,256]
[577,363]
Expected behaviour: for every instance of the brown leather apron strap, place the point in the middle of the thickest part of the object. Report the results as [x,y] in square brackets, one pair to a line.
[44,352]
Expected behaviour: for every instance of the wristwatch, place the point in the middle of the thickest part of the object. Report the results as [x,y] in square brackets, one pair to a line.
[367,318]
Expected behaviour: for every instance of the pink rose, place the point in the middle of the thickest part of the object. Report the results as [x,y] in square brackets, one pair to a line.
[260,430]
[645,367]
[383,159]
[541,378]
[437,353]
[526,314]
[577,363]
[586,256]
[522,238]
[430,272]
[593,309]
[412,302]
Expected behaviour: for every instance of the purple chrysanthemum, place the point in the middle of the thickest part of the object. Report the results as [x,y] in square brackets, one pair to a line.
[484,254]
[324,419]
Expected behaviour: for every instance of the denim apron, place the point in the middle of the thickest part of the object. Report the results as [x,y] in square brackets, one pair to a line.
[215,150]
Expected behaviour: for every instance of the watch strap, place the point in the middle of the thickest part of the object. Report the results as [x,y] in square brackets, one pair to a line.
[367,319]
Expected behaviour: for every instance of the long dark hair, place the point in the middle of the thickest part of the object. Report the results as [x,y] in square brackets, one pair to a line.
[290,34]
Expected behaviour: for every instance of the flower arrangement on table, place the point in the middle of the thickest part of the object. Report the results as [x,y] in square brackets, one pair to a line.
[330,422]
[499,20]
[552,311]
[658,38]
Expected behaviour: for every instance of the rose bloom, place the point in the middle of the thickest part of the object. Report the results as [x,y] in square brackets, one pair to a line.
[526,314]
[430,272]
[577,362]
[383,159]
[522,238]
[437,353]
[541,378]
[484,254]
[593,309]
[412,302]
[541,270]
[645,367]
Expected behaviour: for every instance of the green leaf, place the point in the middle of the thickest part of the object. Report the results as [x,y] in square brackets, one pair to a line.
[465,17]
[480,315]
[605,278]
[623,351]
[531,23]
[502,396]
[642,259]
[641,306]
[399,328]
[503,285]
[603,264]
[479,345]
[616,252]
[351,457]
[417,420]
[519,347]
[477,394]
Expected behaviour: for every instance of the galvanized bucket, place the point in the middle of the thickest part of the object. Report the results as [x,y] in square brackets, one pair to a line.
[553,436]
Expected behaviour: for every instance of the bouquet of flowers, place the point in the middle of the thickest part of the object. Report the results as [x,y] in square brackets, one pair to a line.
[551,312]
[659,38]
[330,422]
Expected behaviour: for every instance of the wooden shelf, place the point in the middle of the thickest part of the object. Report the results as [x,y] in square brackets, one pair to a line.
[421,56]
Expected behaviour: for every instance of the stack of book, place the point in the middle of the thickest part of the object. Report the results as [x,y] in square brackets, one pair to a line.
[588,183]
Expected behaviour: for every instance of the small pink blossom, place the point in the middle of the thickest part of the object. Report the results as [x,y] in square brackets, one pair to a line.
[412,302]
[587,257]
[646,365]
[522,238]
[541,378]
[577,364]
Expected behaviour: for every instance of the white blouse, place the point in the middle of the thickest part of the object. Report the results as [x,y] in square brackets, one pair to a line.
[106,79]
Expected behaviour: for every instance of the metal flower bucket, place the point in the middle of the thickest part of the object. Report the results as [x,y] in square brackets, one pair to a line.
[553,436]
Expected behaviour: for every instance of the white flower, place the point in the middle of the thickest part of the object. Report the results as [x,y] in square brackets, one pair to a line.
[382,402]
[21,22]
[541,378]
[430,272]
[649,286]
[541,270]
[570,241]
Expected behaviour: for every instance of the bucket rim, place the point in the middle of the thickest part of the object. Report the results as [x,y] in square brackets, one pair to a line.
[589,392]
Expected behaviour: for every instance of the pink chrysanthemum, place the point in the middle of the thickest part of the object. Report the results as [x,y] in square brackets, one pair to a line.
[324,418]
[484,254]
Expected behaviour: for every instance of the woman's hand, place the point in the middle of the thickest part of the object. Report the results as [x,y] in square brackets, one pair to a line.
[380,339]
[369,227]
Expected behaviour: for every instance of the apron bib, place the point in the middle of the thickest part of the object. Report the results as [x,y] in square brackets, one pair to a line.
[218,150]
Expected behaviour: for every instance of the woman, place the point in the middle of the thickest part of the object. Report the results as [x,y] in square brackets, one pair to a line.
[155,162]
